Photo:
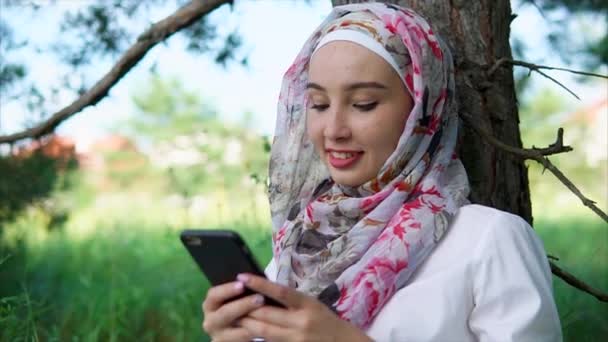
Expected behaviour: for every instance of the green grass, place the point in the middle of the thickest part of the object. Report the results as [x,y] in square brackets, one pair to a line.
[134,282]
[582,247]
[119,284]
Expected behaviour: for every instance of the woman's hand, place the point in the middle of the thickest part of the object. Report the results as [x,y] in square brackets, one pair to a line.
[305,319]
[220,315]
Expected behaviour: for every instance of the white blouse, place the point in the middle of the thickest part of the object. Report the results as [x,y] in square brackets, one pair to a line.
[487,280]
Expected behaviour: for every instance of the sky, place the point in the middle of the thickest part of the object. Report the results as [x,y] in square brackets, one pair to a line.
[272,32]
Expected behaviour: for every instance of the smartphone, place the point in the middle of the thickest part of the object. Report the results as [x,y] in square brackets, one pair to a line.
[221,255]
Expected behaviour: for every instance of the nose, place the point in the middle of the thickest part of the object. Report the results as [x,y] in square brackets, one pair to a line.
[336,125]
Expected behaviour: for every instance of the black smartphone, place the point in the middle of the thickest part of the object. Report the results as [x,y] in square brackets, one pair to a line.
[222,255]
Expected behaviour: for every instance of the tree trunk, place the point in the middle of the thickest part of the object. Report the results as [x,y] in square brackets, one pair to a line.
[478,34]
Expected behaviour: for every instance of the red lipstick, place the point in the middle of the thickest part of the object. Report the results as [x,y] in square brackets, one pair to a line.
[339,163]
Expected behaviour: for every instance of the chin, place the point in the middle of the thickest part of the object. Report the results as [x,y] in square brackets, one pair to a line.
[345,180]
[352,177]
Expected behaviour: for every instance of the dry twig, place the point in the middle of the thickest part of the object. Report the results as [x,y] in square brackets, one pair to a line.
[183,17]
[538,68]
[575,282]
[540,155]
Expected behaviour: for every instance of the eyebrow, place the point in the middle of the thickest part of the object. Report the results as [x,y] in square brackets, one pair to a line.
[350,87]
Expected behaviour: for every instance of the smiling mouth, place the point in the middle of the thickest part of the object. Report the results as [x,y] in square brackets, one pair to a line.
[342,160]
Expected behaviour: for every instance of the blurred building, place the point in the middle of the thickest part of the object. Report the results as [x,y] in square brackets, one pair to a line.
[112,161]
[57,147]
[591,122]
[94,157]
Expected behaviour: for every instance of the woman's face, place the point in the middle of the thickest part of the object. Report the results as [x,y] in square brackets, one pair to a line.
[357,109]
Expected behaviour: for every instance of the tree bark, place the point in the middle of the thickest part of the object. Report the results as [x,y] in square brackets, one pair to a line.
[478,35]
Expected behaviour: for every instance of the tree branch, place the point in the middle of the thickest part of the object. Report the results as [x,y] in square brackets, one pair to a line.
[540,155]
[182,18]
[536,67]
[575,282]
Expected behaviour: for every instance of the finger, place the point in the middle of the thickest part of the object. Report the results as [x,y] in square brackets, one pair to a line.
[275,316]
[229,312]
[238,308]
[233,335]
[268,331]
[282,294]
[217,295]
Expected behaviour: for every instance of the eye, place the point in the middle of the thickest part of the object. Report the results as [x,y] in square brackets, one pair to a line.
[366,107]
[319,107]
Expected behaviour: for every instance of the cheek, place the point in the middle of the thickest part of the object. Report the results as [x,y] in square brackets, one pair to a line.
[314,132]
[396,130]
[386,134]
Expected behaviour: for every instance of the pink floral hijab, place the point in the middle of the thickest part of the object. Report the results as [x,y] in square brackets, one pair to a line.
[353,248]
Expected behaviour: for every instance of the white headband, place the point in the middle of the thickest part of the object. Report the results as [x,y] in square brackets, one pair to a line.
[364,40]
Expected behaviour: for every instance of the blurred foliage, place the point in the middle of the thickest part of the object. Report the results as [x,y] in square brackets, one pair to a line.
[69,287]
[9,72]
[573,36]
[175,151]
[147,289]
[573,5]
[540,118]
[89,33]
[164,110]
[188,139]
[573,44]
[92,32]
[32,178]
[581,243]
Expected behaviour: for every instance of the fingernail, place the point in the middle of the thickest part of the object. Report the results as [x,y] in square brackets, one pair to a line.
[243,277]
[238,285]
[258,299]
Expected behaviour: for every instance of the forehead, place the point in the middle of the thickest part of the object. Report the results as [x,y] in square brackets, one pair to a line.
[344,61]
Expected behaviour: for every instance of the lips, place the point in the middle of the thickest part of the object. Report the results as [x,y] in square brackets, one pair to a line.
[343,159]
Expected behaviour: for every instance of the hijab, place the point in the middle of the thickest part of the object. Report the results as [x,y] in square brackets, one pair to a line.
[354,247]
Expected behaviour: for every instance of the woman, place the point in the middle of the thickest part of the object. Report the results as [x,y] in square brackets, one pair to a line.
[373,236]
